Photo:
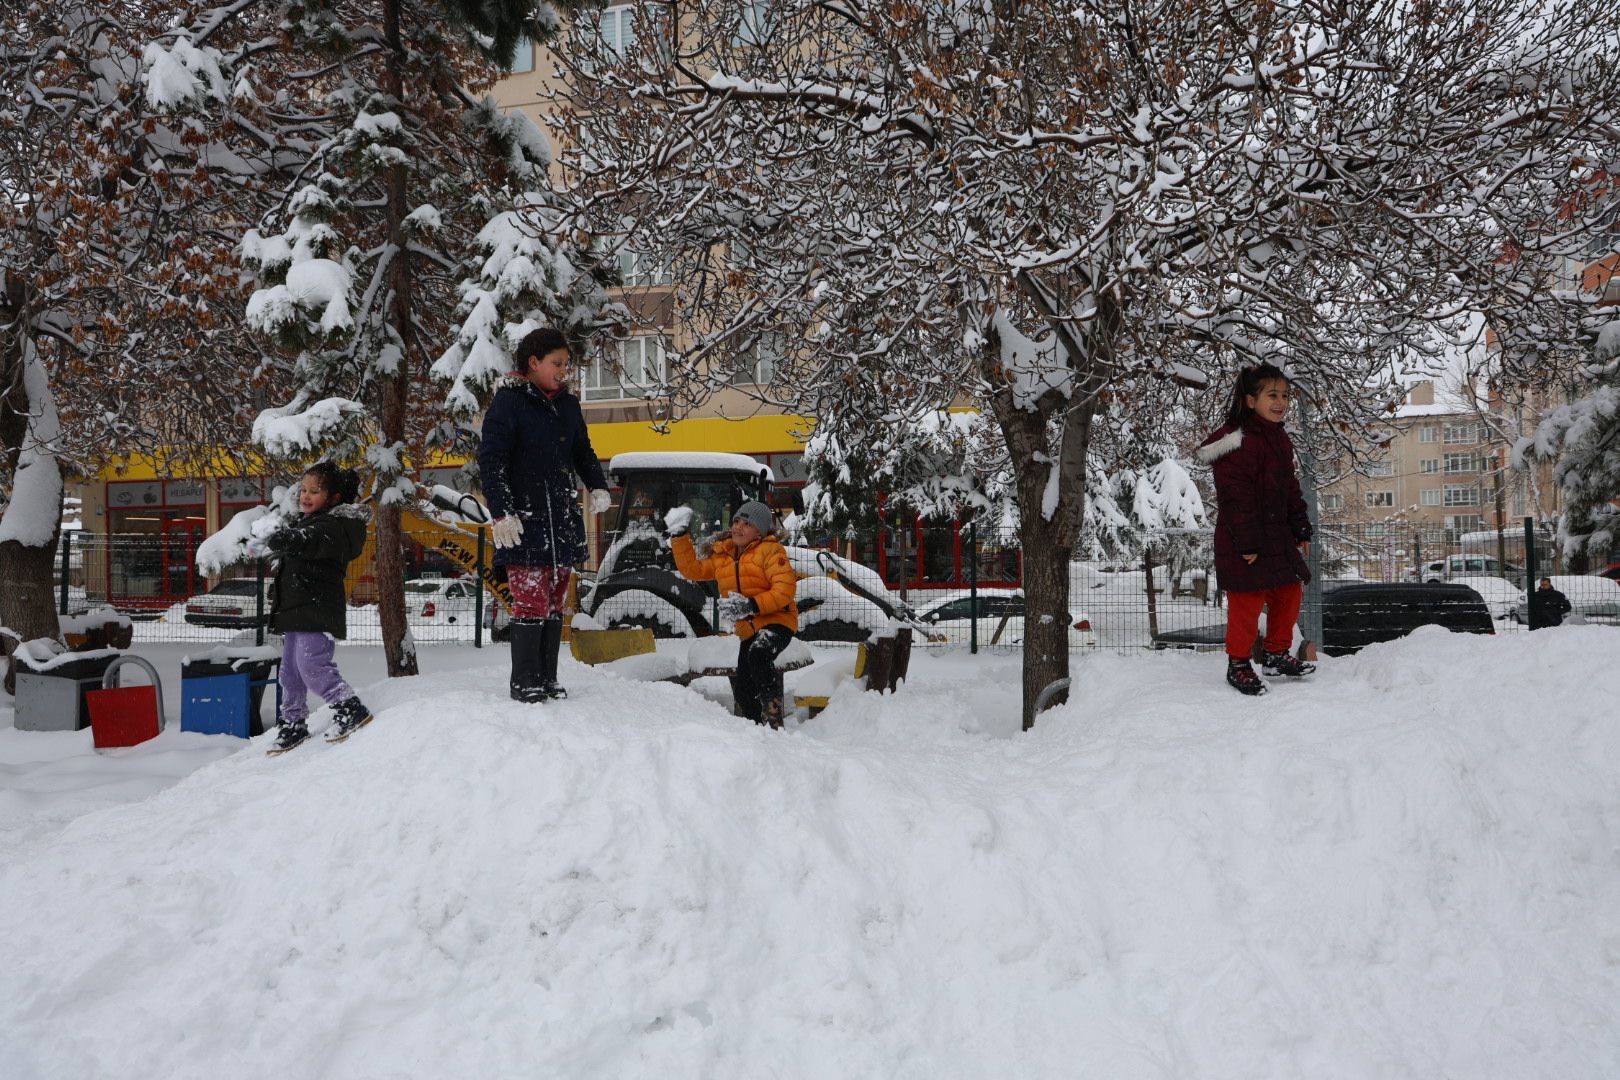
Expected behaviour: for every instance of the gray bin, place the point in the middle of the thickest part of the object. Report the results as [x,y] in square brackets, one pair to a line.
[53,700]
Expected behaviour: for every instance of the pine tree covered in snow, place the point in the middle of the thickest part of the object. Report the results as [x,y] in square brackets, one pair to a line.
[1582,440]
[1031,207]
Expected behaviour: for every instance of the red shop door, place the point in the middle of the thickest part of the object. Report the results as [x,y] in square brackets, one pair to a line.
[179,579]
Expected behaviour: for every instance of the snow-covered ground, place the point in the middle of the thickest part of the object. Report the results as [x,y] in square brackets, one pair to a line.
[1407,866]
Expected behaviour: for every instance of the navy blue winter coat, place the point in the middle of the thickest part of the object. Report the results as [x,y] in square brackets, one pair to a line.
[1259,509]
[532,448]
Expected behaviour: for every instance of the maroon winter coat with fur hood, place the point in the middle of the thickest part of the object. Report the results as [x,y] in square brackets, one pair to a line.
[1258,506]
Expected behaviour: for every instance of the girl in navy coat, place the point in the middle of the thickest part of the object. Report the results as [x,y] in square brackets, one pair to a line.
[534,444]
[1262,529]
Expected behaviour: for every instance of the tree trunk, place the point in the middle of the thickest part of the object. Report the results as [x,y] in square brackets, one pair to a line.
[1047,540]
[394,392]
[27,603]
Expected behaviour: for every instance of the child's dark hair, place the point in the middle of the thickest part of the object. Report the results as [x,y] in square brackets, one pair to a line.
[1249,381]
[343,484]
[537,343]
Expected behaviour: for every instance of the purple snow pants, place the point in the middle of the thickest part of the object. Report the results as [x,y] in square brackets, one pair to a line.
[306,664]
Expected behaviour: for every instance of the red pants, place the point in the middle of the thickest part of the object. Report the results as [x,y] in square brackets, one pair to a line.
[1243,619]
[538,592]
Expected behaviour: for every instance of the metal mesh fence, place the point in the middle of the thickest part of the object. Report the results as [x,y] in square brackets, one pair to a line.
[960,582]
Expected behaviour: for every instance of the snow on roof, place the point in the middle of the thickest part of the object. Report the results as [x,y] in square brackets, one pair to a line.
[689,461]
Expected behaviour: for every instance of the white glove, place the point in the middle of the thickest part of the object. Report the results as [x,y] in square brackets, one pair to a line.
[600,501]
[735,607]
[507,531]
[678,520]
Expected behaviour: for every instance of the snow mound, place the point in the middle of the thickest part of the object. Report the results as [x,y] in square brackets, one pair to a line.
[1403,867]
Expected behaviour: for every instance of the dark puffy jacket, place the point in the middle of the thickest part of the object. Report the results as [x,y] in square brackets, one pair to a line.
[532,448]
[1548,607]
[1258,507]
[313,556]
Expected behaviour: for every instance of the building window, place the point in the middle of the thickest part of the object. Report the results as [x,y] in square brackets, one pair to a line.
[1332,502]
[1430,497]
[754,23]
[640,370]
[642,270]
[1462,433]
[522,57]
[760,369]
[1462,495]
[617,28]
[1460,525]
[1429,465]
[1462,463]
[1380,498]
[1428,433]
[1381,468]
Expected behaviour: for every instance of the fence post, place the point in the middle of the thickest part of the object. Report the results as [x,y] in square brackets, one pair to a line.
[258,602]
[478,596]
[66,544]
[973,585]
[1417,552]
[1530,571]
[1310,622]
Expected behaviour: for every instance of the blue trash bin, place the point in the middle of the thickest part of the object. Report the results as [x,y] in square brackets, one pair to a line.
[217,705]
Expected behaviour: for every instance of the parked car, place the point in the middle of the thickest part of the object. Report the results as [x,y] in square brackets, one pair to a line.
[231,604]
[1357,614]
[1500,595]
[1592,598]
[1612,571]
[949,619]
[443,601]
[1471,565]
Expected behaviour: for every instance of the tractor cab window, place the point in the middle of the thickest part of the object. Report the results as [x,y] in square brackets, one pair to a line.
[712,501]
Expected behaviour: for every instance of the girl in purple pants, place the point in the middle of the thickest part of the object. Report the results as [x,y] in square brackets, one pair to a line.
[308,605]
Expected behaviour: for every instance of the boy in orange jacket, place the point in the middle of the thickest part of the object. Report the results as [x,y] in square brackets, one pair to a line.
[757,590]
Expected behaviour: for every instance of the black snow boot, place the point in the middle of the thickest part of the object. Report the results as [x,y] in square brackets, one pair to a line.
[348,716]
[528,636]
[1240,675]
[550,646]
[770,712]
[289,735]
[1286,663]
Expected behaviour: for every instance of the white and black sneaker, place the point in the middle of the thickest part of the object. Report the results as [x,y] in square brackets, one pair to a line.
[349,716]
[1285,663]
[288,735]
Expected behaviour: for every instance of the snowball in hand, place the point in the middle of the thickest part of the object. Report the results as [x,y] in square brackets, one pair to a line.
[678,520]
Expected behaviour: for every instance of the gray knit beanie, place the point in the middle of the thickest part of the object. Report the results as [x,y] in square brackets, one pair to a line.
[756,514]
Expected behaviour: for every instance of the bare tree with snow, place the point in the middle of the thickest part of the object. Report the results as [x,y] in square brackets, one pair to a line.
[118,327]
[1033,205]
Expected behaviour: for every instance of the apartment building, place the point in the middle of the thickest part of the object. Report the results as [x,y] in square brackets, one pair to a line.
[1438,483]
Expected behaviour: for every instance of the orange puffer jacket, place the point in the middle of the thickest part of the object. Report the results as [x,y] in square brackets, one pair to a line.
[760,572]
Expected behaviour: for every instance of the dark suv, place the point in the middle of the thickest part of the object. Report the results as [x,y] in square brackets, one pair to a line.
[1357,613]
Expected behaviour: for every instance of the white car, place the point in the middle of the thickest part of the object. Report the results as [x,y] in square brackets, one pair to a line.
[231,604]
[1592,598]
[949,619]
[443,601]
[1453,567]
[1500,595]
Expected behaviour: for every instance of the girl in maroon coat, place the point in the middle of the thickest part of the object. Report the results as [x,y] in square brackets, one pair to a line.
[1262,531]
